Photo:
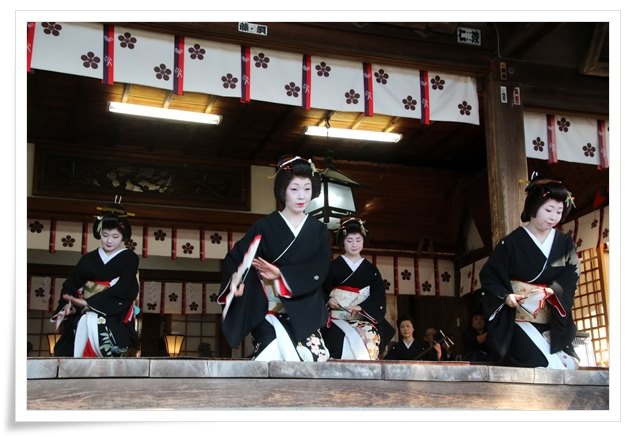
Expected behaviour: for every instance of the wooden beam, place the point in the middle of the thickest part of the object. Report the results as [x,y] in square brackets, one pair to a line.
[506,156]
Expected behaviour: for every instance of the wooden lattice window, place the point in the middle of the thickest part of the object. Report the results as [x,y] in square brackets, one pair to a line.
[590,307]
[197,329]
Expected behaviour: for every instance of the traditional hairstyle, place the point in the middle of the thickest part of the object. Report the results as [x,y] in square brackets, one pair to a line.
[350,225]
[113,216]
[287,168]
[541,189]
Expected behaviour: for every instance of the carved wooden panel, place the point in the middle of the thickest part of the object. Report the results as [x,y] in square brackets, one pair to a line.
[141,179]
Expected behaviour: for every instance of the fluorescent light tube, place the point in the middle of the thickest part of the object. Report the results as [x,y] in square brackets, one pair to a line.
[163,113]
[356,134]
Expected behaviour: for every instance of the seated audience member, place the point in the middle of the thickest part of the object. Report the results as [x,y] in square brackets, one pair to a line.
[408,347]
[474,341]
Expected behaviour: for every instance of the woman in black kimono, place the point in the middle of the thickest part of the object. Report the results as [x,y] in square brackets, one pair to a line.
[409,347]
[355,294]
[529,283]
[97,303]
[278,297]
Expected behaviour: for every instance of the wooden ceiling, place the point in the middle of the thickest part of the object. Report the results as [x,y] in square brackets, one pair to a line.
[71,112]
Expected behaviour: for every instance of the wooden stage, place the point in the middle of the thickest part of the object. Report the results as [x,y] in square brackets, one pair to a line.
[198,383]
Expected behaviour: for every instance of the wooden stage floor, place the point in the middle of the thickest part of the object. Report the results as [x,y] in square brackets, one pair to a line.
[198,383]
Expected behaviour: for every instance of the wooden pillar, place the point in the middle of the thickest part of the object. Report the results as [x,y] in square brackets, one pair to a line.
[506,156]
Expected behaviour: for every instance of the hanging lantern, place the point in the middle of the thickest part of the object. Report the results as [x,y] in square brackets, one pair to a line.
[336,199]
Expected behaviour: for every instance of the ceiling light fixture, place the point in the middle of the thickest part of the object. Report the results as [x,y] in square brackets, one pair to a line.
[355,134]
[163,113]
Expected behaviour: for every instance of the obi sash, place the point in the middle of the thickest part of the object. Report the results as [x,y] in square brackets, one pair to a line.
[347,296]
[533,308]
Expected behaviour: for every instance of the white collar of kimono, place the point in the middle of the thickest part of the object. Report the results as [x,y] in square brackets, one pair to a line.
[107,258]
[296,230]
[352,265]
[548,242]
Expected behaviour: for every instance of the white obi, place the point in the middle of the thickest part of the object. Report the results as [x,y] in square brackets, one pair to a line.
[346,297]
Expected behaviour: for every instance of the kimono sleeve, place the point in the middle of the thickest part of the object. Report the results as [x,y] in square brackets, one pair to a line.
[495,276]
[496,284]
[565,284]
[375,305]
[74,281]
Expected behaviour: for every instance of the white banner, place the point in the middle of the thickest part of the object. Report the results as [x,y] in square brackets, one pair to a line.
[38,233]
[453,98]
[396,91]
[73,48]
[276,76]
[406,276]
[212,68]
[144,58]
[333,80]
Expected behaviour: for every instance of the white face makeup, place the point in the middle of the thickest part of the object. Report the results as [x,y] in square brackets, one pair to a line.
[298,194]
[548,215]
[111,240]
[353,244]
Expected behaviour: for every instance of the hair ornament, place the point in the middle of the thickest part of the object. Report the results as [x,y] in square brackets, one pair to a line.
[342,228]
[286,165]
[115,209]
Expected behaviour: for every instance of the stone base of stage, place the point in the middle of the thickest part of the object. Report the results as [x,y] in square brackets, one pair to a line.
[193,383]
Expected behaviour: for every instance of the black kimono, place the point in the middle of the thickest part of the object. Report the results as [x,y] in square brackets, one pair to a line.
[110,309]
[417,351]
[518,257]
[363,339]
[304,262]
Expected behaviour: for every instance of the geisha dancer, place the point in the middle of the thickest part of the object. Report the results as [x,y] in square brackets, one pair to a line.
[96,308]
[355,294]
[529,283]
[278,297]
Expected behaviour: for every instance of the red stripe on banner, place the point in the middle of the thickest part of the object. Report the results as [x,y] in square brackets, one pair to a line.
[396,288]
[424,97]
[84,237]
[436,276]
[245,74]
[601,227]
[145,242]
[202,245]
[162,305]
[178,79]
[30,37]
[109,54]
[183,299]
[173,245]
[368,86]
[417,276]
[307,82]
[52,303]
[550,135]
[52,237]
[473,276]
[603,145]
[204,302]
